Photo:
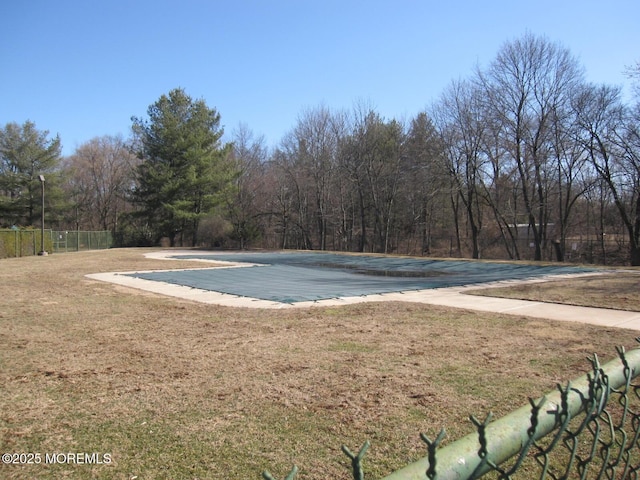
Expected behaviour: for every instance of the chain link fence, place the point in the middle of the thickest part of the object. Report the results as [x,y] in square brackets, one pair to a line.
[24,242]
[586,429]
[76,240]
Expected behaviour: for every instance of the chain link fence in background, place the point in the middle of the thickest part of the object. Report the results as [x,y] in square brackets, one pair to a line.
[24,242]
[76,240]
[587,429]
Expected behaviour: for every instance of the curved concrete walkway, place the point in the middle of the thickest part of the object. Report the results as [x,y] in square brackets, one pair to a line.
[456,298]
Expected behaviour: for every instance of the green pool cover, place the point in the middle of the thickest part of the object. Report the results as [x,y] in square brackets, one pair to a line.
[290,277]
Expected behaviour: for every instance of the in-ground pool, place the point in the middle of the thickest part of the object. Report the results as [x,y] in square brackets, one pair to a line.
[290,277]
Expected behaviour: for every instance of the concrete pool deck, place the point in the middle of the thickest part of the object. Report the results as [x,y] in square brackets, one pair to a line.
[454,297]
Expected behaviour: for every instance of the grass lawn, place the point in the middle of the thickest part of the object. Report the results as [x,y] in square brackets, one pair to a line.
[620,291]
[176,389]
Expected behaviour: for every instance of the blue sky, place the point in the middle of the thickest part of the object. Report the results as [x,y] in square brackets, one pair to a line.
[83,68]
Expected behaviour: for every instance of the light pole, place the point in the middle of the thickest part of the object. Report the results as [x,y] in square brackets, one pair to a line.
[42,252]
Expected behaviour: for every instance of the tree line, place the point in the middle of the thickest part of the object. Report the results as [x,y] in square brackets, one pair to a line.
[523,159]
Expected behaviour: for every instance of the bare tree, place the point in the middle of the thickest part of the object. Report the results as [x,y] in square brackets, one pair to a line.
[573,178]
[295,181]
[462,128]
[611,136]
[425,188]
[529,80]
[353,159]
[316,138]
[633,73]
[371,157]
[245,207]
[99,177]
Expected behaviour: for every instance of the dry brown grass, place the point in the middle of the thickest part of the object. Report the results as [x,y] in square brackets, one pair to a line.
[619,291]
[175,389]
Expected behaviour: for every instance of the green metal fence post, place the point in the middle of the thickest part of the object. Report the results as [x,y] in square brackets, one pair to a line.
[506,436]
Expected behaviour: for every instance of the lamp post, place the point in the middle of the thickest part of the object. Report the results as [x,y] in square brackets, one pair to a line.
[42,252]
